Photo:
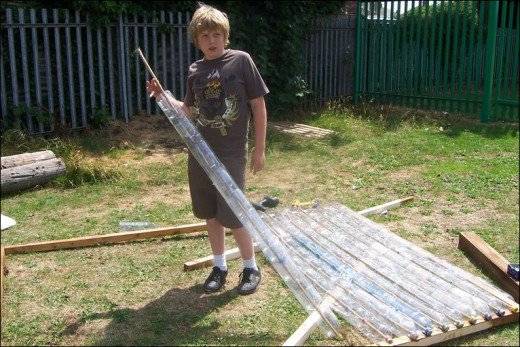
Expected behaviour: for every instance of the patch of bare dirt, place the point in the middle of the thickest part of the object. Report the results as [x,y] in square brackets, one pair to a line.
[443,220]
[143,131]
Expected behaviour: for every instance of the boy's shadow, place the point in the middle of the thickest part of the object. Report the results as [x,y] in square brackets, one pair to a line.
[176,318]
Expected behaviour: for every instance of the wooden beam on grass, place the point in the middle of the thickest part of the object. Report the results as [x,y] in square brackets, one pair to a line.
[234,252]
[384,207]
[304,330]
[438,337]
[490,260]
[95,240]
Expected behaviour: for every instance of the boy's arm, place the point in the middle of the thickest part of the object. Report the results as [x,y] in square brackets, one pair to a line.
[260,123]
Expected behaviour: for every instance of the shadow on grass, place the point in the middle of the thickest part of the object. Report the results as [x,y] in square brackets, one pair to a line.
[176,318]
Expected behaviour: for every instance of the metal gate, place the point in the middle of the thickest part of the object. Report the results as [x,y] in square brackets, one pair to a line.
[458,56]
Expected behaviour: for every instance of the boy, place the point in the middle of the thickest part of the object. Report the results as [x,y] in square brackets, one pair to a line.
[223,90]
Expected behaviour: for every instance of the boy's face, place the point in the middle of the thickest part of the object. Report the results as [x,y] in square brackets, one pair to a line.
[212,43]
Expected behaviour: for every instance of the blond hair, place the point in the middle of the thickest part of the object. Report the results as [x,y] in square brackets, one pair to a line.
[208,18]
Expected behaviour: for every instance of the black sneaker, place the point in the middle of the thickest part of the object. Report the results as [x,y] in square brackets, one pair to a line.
[249,281]
[215,280]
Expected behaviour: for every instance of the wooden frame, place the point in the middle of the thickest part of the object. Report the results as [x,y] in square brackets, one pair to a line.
[490,260]
[438,336]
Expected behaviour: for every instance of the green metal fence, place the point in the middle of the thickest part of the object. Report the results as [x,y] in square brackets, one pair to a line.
[457,56]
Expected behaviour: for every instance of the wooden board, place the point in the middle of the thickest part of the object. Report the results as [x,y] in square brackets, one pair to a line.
[300,129]
[104,239]
[490,260]
[439,337]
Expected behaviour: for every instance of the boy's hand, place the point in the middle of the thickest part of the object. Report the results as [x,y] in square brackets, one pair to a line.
[257,160]
[152,87]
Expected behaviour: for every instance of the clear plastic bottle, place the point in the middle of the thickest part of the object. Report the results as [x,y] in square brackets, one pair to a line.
[135,225]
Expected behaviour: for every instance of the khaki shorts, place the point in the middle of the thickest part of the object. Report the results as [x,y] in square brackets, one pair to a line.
[206,201]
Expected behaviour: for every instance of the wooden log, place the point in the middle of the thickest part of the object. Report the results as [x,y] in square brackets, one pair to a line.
[25,176]
[95,240]
[490,260]
[25,158]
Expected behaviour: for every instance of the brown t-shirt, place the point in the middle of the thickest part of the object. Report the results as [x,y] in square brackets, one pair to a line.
[218,93]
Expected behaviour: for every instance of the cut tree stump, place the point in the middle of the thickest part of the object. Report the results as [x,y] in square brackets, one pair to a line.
[29,175]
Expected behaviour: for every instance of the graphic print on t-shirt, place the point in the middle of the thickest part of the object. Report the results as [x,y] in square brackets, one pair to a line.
[212,107]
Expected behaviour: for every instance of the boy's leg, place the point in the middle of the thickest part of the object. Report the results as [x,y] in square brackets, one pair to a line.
[217,277]
[245,245]
[250,276]
[204,204]
[216,236]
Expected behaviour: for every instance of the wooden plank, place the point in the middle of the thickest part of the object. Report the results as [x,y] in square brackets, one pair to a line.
[79,54]
[36,64]
[490,260]
[12,59]
[384,207]
[234,252]
[101,69]
[129,96]
[71,92]
[146,53]
[122,67]
[59,72]
[111,86]
[137,66]
[48,75]
[207,261]
[304,330]
[439,336]
[87,241]
[300,129]
[90,58]
[25,67]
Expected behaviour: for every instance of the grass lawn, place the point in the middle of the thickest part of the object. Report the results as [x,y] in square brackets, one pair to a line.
[463,175]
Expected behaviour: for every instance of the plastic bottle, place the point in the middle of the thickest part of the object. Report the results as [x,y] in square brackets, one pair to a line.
[134,225]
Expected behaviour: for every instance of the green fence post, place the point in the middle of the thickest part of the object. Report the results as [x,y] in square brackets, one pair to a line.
[357,68]
[491,41]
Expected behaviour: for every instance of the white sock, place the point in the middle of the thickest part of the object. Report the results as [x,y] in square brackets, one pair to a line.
[220,261]
[250,263]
